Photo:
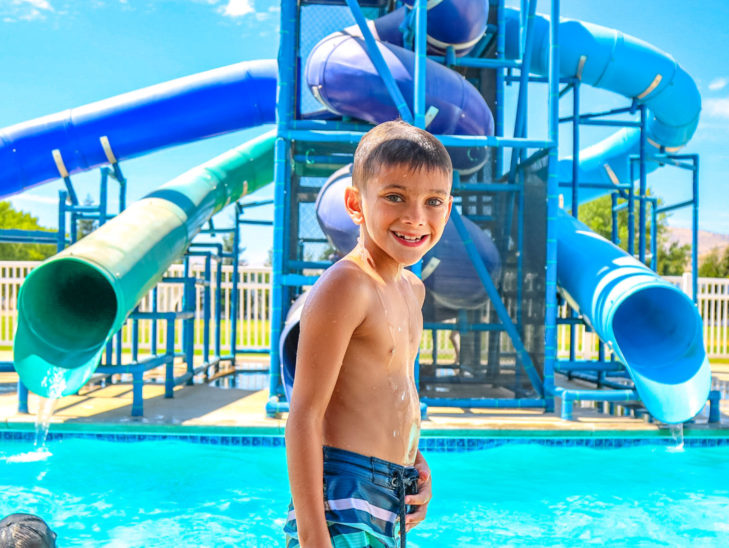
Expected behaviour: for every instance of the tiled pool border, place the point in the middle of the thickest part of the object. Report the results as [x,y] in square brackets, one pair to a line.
[435,441]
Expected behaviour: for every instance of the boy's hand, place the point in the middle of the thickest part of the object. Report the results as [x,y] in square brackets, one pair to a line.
[423,497]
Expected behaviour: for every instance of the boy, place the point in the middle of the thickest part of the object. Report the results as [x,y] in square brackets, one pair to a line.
[354,391]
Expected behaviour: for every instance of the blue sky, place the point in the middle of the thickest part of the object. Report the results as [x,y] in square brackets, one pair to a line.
[59,54]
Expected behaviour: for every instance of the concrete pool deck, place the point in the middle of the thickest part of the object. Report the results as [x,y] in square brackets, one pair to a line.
[201,407]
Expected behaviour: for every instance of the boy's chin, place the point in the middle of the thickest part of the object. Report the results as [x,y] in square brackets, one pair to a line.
[412,263]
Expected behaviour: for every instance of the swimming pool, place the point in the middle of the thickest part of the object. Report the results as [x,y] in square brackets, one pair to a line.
[175,493]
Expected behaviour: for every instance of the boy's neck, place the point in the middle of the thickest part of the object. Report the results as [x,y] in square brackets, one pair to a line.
[373,259]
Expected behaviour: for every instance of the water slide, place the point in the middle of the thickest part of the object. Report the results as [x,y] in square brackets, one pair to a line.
[662,350]
[653,328]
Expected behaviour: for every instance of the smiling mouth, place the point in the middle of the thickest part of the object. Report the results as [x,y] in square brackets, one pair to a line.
[409,240]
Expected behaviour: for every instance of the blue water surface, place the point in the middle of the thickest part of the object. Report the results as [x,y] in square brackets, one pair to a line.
[175,493]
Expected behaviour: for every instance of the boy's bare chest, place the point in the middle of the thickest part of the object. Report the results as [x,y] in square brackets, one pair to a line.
[394,325]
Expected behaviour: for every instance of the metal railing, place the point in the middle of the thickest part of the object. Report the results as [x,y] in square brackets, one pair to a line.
[253,329]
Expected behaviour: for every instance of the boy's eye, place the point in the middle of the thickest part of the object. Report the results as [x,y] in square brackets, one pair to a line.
[393,198]
[435,202]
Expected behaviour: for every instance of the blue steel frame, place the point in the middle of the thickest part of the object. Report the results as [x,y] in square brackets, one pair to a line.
[289,128]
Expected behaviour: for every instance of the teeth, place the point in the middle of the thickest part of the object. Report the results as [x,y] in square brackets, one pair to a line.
[409,238]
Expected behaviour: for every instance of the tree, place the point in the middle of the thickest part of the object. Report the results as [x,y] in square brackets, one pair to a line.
[715,265]
[228,238]
[228,246]
[84,227]
[329,254]
[672,258]
[10,218]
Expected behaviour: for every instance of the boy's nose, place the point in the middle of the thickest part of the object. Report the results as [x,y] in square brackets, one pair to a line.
[414,216]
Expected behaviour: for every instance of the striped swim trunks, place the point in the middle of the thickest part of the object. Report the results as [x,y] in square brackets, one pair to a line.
[364,500]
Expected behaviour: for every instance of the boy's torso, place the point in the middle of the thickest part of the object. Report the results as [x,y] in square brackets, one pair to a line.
[374,409]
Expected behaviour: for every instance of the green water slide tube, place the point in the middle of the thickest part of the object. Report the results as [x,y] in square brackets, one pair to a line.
[71,305]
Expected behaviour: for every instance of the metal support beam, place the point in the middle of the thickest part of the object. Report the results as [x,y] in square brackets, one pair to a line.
[483,275]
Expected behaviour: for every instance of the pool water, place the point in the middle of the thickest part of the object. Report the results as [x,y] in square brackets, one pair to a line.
[176,493]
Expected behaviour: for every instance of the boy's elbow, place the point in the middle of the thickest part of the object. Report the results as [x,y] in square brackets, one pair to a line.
[302,425]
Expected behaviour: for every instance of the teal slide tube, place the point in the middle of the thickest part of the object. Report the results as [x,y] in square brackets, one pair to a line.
[652,326]
[74,302]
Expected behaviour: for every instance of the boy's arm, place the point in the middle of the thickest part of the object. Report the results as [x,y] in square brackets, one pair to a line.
[334,309]
[425,493]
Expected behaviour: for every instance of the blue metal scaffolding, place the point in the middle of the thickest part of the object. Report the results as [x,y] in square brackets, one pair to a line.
[307,149]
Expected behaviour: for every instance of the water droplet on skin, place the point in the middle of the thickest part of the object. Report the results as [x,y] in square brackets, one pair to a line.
[390,326]
[413,441]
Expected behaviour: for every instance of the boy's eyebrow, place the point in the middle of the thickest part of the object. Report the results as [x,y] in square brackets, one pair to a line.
[402,187]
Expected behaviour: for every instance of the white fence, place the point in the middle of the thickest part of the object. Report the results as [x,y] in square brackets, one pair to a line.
[713,306]
[253,326]
[252,329]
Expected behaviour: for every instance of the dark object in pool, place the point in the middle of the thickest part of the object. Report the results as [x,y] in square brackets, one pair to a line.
[26,531]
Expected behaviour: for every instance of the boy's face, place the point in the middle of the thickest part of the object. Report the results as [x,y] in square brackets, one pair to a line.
[402,212]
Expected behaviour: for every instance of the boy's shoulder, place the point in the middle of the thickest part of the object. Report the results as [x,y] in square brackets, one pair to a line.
[344,284]
[346,274]
[344,295]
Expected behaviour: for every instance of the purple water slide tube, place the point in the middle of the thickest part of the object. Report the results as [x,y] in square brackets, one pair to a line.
[466,19]
[179,111]
[342,76]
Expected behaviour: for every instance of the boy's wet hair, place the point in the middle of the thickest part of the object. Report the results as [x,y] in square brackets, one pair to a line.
[26,531]
[398,143]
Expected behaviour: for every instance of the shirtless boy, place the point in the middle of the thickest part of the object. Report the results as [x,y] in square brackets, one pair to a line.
[354,392]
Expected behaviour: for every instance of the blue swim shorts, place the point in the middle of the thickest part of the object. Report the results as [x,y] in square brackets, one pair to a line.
[364,500]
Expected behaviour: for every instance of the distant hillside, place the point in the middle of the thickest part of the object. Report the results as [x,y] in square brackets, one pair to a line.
[707,240]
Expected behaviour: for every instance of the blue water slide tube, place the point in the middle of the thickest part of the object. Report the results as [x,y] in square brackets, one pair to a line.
[175,112]
[453,105]
[652,326]
[613,61]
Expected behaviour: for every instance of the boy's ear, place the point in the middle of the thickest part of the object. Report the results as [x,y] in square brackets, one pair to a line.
[450,206]
[353,203]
